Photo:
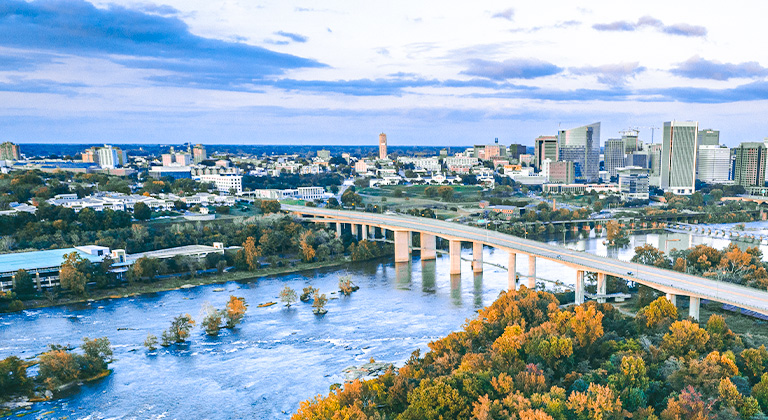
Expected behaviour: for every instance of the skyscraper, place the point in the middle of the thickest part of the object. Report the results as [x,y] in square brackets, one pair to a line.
[581,146]
[382,146]
[750,165]
[678,157]
[709,137]
[515,150]
[713,164]
[614,156]
[631,142]
[544,147]
[199,154]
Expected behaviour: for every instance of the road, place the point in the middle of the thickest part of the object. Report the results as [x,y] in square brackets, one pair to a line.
[667,281]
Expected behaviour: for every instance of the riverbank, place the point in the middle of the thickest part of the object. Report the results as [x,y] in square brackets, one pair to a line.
[175,283]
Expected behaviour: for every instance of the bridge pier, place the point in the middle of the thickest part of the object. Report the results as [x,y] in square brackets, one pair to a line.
[512,272]
[401,246]
[693,308]
[428,247]
[601,287]
[531,271]
[338,229]
[579,292]
[454,251]
[477,257]
[364,230]
[672,299]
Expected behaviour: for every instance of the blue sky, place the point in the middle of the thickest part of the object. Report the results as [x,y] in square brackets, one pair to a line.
[339,72]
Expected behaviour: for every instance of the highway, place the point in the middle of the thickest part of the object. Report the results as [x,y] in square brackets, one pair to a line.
[667,281]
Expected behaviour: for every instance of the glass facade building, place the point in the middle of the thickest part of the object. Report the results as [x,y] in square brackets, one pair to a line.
[581,146]
[679,148]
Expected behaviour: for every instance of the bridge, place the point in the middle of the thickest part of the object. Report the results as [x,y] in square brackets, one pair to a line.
[672,283]
[728,233]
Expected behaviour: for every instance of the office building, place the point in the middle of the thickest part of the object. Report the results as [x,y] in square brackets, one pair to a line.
[581,146]
[709,137]
[515,150]
[561,172]
[224,183]
[713,164]
[613,156]
[654,159]
[636,159]
[382,146]
[544,147]
[633,183]
[9,151]
[324,154]
[750,165]
[631,141]
[198,153]
[679,148]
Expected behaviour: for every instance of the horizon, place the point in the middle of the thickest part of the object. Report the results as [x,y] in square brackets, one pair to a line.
[133,72]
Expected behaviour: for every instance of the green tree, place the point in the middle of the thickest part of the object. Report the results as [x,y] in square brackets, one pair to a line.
[141,211]
[270,206]
[13,378]
[179,330]
[288,296]
[23,283]
[151,342]
[71,275]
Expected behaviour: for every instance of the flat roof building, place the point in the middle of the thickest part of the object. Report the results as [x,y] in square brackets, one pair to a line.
[678,157]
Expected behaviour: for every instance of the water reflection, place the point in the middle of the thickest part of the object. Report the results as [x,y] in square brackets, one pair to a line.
[403,275]
[456,289]
[477,291]
[428,276]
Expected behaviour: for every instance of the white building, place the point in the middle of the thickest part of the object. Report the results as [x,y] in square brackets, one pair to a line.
[678,157]
[713,164]
[108,157]
[461,161]
[224,182]
[633,183]
[431,164]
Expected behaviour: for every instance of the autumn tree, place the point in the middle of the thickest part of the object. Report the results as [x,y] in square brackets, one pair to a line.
[649,255]
[211,320]
[179,330]
[658,314]
[586,325]
[13,378]
[234,311]
[250,254]
[598,402]
[270,206]
[685,339]
[306,242]
[319,303]
[70,273]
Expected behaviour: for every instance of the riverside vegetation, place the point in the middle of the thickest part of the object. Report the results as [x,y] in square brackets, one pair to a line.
[525,357]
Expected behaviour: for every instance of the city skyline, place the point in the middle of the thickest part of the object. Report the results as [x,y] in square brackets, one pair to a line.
[284,72]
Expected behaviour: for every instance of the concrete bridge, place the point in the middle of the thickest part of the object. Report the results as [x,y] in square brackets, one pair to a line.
[746,236]
[672,283]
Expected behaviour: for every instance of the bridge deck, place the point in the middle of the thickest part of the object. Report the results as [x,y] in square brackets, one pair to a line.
[667,281]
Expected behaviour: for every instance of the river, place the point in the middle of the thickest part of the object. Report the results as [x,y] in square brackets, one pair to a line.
[278,356]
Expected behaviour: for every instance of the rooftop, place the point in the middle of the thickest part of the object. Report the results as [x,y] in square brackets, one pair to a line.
[38,260]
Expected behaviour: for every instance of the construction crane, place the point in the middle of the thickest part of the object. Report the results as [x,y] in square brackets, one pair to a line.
[653,130]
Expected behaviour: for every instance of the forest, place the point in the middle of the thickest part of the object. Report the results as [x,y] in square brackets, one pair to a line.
[526,357]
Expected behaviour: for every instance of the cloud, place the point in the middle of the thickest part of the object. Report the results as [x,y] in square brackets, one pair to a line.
[515,68]
[397,84]
[681,29]
[293,37]
[507,14]
[755,91]
[700,68]
[610,74]
[158,9]
[136,39]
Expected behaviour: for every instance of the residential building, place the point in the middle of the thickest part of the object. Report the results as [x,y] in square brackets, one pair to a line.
[174,158]
[9,151]
[224,183]
[750,165]
[613,156]
[458,163]
[108,157]
[709,137]
[713,164]
[544,147]
[199,154]
[527,160]
[561,172]
[515,150]
[431,164]
[679,148]
[633,183]
[175,172]
[361,166]
[581,145]
[382,146]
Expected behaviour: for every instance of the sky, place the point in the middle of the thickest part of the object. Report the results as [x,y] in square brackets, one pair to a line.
[434,73]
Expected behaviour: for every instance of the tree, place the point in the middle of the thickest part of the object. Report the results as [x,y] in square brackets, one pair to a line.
[212,321]
[270,206]
[178,331]
[235,311]
[446,193]
[346,286]
[319,303]
[288,296]
[57,367]
[307,293]
[598,402]
[70,275]
[430,191]
[586,325]
[306,240]
[685,339]
[760,392]
[649,255]
[13,378]
[616,235]
[658,314]
[23,284]
[141,211]
[250,253]
[351,199]
[151,342]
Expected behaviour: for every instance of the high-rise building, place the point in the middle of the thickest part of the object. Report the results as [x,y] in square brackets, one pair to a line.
[631,141]
[108,157]
[581,146]
[613,156]
[515,150]
[750,165]
[654,159]
[639,159]
[382,146]
[678,157]
[198,153]
[544,147]
[90,155]
[709,137]
[324,154]
[9,151]
[561,172]
[713,164]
